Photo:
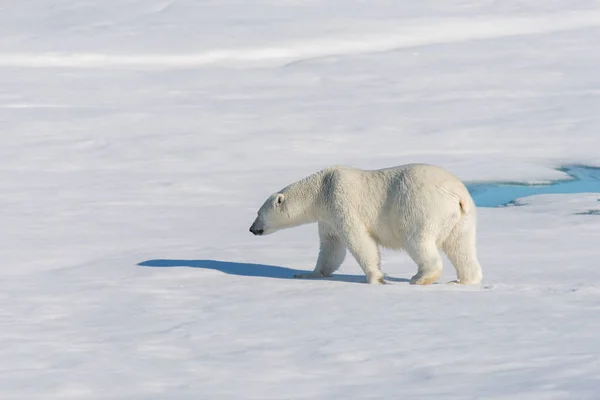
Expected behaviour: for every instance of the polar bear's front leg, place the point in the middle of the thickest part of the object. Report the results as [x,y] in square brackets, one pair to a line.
[332,250]
[366,252]
[331,254]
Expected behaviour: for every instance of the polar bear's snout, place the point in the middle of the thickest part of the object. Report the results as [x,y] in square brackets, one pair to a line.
[256,229]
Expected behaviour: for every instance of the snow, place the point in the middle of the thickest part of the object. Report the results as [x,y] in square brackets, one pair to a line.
[140,137]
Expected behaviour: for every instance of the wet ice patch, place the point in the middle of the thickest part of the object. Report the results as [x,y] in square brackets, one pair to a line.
[582,179]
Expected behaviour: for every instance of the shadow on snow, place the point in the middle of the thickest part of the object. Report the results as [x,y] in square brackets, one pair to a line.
[252,270]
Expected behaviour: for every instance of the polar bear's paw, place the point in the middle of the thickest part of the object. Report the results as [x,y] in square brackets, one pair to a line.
[376,279]
[309,275]
[425,279]
[466,282]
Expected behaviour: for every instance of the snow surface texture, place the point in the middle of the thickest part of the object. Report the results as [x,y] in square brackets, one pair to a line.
[140,137]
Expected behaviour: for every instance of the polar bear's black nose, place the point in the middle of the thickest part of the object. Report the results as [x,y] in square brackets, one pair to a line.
[256,231]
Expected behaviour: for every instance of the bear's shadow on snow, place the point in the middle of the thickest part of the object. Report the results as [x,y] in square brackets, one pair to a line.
[253,270]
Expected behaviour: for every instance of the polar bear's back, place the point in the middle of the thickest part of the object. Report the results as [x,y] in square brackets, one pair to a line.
[418,177]
[397,201]
[423,181]
[425,188]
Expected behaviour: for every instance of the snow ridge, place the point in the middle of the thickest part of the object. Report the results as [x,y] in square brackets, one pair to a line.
[431,33]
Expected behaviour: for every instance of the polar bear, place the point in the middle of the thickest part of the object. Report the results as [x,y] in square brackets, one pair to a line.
[417,208]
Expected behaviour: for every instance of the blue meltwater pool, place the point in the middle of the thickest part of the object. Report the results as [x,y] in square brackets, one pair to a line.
[495,194]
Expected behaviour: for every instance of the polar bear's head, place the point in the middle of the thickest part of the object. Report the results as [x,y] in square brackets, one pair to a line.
[272,216]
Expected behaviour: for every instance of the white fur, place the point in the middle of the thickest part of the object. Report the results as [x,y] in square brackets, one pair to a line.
[417,208]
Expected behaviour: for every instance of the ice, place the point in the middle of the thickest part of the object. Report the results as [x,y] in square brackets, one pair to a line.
[581,179]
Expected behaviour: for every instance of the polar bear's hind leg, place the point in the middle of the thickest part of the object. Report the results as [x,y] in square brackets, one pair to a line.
[460,247]
[427,257]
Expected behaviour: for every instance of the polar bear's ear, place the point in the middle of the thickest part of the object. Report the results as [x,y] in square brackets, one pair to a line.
[279,199]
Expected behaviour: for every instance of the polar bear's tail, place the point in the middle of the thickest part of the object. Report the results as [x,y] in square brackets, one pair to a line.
[465,201]
[464,206]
